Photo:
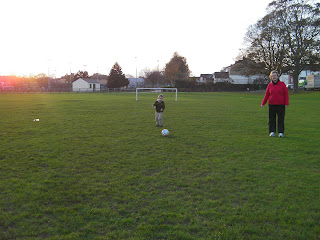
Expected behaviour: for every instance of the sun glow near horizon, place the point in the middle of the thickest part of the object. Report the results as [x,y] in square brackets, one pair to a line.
[62,36]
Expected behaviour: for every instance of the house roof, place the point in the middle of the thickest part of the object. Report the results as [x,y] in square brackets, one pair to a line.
[90,80]
[206,75]
[221,75]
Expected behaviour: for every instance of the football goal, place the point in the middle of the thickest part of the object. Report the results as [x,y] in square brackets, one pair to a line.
[156,90]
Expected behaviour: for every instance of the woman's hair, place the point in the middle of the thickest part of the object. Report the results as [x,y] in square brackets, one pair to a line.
[160,95]
[272,72]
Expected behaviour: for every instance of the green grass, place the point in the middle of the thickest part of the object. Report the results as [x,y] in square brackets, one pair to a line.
[96,167]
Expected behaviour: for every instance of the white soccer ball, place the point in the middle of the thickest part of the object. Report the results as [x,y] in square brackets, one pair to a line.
[165,132]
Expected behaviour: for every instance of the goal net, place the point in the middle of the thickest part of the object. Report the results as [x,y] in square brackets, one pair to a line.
[156,90]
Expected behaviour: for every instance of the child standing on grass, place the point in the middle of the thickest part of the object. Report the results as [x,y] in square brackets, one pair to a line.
[159,106]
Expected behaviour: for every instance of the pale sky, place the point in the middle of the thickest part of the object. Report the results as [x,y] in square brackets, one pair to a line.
[56,36]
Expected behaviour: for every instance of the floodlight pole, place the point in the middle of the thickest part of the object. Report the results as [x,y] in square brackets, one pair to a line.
[48,79]
[158,75]
[70,74]
[97,73]
[49,74]
[136,69]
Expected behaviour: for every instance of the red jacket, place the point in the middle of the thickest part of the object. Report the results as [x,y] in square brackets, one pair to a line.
[277,94]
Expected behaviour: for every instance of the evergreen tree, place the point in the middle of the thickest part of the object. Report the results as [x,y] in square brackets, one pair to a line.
[116,78]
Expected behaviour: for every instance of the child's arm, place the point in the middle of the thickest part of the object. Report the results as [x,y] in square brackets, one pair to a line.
[164,106]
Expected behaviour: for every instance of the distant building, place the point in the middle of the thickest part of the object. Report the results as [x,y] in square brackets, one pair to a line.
[238,78]
[206,78]
[135,82]
[222,77]
[6,88]
[86,85]
[288,78]
[102,79]
[7,83]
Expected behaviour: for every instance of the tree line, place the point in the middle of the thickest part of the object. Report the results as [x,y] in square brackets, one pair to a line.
[176,69]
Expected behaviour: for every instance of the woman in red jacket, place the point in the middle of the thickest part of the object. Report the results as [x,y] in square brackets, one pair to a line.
[278,96]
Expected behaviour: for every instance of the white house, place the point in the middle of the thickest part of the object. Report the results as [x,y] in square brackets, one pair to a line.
[222,77]
[135,82]
[238,78]
[86,85]
[206,78]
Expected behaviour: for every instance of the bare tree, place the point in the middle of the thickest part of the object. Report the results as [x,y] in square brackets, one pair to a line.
[287,39]
[154,77]
[80,74]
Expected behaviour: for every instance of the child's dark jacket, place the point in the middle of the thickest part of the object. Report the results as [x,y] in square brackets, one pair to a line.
[160,106]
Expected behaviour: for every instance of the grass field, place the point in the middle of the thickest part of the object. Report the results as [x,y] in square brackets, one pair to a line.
[96,167]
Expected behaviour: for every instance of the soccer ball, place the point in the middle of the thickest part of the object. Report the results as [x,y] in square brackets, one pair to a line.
[165,132]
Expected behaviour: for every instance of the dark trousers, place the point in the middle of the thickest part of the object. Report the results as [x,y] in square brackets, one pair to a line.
[275,110]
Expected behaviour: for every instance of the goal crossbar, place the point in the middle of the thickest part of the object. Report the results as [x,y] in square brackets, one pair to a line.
[175,89]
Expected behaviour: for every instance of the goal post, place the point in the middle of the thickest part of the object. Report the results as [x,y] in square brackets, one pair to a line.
[155,89]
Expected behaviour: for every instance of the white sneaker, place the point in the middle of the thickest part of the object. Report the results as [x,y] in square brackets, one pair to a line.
[280,134]
[272,134]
